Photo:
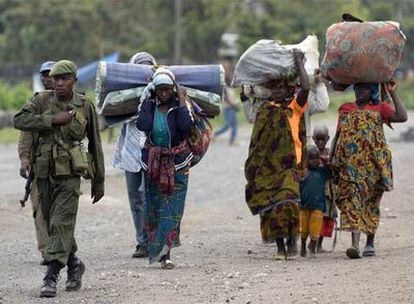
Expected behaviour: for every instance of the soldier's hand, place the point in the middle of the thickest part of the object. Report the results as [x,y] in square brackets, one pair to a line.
[24,169]
[62,118]
[97,192]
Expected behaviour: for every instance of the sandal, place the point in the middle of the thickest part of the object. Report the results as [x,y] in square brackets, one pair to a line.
[167,264]
[368,251]
[353,253]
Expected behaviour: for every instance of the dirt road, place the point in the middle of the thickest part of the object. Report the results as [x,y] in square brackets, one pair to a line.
[222,259]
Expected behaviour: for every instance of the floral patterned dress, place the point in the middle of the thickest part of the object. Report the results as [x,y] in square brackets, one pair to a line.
[363,164]
[272,170]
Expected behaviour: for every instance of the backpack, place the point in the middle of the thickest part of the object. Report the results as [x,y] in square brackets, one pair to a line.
[200,134]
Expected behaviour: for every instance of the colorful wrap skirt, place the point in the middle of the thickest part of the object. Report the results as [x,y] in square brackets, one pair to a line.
[164,214]
[364,167]
[272,173]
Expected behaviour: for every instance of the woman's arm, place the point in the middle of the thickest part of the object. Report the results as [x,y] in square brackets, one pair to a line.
[302,97]
[400,114]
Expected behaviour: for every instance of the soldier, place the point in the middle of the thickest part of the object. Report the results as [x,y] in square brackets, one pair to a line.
[25,146]
[63,118]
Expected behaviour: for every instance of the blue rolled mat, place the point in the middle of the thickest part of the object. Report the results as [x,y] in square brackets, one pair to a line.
[119,76]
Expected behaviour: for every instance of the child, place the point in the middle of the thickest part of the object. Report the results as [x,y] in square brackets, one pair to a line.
[312,201]
[320,138]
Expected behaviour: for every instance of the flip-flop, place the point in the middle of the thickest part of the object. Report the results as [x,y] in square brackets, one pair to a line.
[368,251]
[353,253]
[167,264]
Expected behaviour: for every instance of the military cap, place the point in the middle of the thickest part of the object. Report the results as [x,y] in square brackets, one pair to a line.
[63,67]
[46,66]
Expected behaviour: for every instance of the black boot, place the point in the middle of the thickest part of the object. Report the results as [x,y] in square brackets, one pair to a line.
[76,269]
[48,289]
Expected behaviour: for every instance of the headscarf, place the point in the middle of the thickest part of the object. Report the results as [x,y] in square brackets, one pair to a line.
[162,76]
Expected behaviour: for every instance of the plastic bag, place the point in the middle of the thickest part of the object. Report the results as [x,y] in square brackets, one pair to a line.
[318,99]
[263,61]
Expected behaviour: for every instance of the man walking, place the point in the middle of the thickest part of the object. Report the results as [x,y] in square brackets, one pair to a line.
[63,118]
[27,142]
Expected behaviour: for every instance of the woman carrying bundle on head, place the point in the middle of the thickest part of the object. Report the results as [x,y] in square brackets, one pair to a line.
[362,161]
[273,166]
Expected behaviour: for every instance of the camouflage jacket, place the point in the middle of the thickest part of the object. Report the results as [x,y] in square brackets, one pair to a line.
[36,116]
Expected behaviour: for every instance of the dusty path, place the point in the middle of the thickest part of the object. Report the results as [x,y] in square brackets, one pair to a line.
[222,259]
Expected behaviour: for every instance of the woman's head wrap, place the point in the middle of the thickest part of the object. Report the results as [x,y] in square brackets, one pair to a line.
[163,76]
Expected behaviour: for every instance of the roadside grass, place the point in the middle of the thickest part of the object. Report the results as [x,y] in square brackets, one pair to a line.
[9,136]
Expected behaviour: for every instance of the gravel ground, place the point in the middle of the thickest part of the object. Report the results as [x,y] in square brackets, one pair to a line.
[222,259]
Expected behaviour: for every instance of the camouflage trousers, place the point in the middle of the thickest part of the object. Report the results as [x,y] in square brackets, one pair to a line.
[59,199]
[358,212]
[39,219]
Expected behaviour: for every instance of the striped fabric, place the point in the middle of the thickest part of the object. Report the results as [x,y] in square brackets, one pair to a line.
[127,154]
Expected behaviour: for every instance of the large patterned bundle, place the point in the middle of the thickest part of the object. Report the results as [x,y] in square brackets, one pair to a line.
[362,52]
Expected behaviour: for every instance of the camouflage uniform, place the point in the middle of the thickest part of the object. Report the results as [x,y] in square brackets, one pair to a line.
[57,183]
[25,146]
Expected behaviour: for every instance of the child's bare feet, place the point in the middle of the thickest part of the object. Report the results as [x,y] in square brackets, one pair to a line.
[320,250]
[312,248]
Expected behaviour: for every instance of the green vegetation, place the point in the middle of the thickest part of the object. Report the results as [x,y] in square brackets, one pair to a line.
[86,30]
[12,97]
[9,136]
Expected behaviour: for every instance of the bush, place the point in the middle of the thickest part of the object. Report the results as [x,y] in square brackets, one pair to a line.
[14,97]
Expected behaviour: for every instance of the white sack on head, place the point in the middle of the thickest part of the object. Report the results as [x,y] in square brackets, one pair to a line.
[318,95]
[264,61]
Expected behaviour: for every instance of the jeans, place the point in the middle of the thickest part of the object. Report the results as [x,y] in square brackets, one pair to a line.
[230,121]
[137,204]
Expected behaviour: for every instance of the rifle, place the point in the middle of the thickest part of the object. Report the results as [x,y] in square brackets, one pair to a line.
[27,189]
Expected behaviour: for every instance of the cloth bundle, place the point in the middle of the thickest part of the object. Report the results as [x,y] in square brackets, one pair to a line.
[362,52]
[126,101]
[119,87]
